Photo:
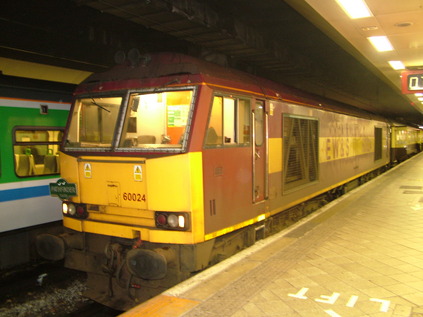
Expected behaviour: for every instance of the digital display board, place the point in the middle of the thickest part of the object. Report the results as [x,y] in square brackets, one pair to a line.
[412,81]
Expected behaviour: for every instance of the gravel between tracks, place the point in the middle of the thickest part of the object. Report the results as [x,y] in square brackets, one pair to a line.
[51,301]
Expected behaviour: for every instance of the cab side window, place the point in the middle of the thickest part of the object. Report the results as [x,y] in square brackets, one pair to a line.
[36,150]
[229,123]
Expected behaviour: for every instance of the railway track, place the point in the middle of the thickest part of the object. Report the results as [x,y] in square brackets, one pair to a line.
[47,290]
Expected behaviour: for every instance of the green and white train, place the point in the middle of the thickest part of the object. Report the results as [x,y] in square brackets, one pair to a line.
[33,114]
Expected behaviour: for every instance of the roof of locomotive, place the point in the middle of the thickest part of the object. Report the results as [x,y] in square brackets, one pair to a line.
[159,65]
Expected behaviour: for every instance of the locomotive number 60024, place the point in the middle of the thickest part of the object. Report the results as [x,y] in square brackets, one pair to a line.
[133,197]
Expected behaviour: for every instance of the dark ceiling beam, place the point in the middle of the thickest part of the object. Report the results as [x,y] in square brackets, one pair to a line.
[201,25]
[60,33]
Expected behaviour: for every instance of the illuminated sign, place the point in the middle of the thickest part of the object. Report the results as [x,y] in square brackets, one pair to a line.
[412,81]
[415,82]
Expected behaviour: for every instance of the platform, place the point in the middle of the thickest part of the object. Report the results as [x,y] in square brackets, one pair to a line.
[361,255]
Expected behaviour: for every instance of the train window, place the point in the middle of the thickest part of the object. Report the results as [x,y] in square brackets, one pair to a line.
[229,123]
[378,143]
[300,144]
[214,131]
[36,150]
[93,122]
[157,120]
[259,122]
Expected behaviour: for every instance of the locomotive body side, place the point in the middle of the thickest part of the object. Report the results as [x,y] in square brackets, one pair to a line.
[178,164]
[335,149]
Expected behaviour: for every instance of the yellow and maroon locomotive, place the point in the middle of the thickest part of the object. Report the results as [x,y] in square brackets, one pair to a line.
[177,163]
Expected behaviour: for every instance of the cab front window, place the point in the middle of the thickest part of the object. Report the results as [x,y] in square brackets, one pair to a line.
[93,122]
[157,120]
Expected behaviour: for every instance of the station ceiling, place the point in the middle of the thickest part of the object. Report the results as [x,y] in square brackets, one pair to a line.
[309,44]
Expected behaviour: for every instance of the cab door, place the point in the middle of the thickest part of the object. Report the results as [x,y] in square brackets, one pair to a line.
[260,152]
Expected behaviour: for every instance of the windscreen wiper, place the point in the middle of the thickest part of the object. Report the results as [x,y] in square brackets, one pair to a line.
[96,104]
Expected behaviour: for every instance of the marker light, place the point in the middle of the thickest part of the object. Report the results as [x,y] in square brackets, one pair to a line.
[80,211]
[161,219]
[181,221]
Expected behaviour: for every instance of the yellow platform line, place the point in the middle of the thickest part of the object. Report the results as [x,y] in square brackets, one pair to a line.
[162,306]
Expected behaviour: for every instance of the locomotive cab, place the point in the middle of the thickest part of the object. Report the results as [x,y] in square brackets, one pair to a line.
[138,187]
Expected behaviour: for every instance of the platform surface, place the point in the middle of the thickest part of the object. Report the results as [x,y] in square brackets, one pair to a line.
[361,255]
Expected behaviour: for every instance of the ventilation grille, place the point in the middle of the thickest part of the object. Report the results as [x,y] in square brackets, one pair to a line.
[300,137]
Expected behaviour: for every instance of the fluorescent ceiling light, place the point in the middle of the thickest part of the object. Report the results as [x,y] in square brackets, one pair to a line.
[355,9]
[381,43]
[421,98]
[397,65]
[419,94]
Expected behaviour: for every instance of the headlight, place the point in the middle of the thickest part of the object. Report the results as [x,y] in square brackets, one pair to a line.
[65,208]
[68,208]
[172,220]
[71,209]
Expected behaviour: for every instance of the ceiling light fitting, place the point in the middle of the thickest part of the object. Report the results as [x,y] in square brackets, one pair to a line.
[355,9]
[381,43]
[396,65]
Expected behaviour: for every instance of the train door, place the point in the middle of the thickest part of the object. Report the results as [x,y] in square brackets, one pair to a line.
[260,153]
